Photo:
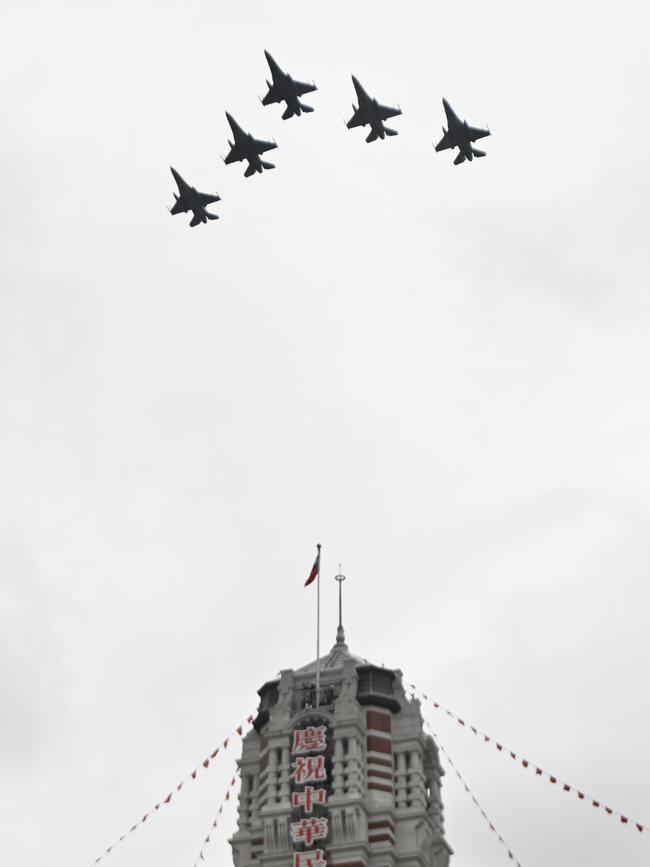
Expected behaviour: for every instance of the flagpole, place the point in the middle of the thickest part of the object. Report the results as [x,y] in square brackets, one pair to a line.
[318,630]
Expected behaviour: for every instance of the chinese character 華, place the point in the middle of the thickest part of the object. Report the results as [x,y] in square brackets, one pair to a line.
[308,830]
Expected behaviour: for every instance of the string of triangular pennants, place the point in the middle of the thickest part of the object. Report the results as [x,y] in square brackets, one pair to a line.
[215,822]
[473,797]
[553,779]
[177,788]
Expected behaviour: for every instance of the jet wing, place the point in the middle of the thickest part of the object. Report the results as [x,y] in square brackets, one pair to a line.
[272,96]
[361,93]
[263,146]
[273,66]
[474,133]
[183,186]
[385,111]
[302,88]
[235,155]
[451,114]
[444,143]
[356,119]
[208,198]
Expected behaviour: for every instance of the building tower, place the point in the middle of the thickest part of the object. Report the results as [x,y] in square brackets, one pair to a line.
[346,780]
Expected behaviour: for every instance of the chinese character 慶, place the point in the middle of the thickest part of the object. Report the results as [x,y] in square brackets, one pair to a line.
[310,740]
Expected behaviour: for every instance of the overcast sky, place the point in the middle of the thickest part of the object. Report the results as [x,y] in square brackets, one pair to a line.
[441,373]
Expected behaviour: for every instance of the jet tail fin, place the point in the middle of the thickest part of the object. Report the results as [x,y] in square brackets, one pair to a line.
[266,165]
[390,131]
[478,153]
[211,216]
[459,159]
[306,108]
[288,112]
[372,136]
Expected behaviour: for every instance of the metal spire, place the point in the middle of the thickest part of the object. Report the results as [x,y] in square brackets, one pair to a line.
[340,634]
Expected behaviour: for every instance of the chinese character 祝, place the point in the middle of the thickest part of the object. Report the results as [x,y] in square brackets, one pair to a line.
[307,830]
[314,858]
[308,797]
[309,769]
[309,740]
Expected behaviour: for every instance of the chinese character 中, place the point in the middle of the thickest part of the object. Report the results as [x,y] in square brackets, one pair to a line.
[308,797]
[310,740]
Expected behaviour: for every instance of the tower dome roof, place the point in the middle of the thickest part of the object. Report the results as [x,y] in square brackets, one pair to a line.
[332,660]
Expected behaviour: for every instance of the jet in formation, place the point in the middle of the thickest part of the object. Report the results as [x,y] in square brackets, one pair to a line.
[371,113]
[285,89]
[460,135]
[190,199]
[245,147]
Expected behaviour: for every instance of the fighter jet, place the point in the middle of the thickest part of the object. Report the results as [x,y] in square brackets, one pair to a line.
[245,147]
[370,112]
[189,199]
[460,135]
[285,89]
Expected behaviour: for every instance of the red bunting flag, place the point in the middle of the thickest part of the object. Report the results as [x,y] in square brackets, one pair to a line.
[554,780]
[475,802]
[167,800]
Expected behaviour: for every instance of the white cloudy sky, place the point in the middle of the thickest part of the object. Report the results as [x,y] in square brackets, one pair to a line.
[441,373]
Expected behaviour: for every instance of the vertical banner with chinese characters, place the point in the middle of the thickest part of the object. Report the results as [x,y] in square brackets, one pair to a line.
[309,777]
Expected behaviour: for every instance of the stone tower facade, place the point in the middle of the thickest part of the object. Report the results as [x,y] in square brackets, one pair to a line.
[352,782]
